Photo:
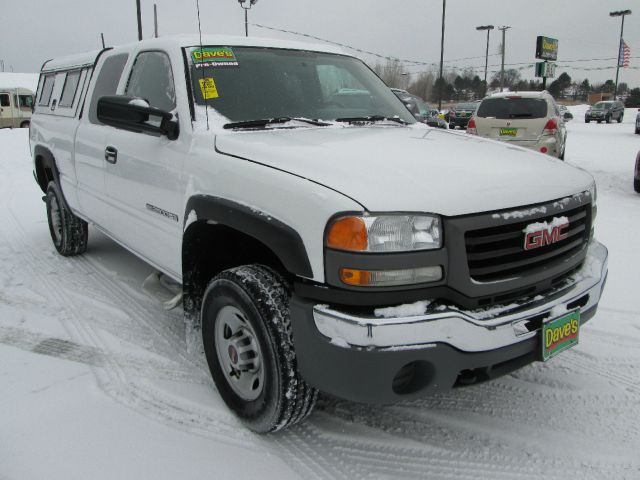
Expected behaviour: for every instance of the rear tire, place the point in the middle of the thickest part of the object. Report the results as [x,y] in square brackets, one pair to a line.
[608,119]
[587,121]
[636,185]
[68,232]
[620,119]
[246,331]
[25,124]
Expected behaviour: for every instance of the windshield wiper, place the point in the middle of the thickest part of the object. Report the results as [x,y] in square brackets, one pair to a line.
[263,122]
[372,118]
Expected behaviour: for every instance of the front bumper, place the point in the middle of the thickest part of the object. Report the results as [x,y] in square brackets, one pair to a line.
[382,360]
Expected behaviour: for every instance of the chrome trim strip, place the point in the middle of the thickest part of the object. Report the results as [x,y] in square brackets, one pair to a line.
[469,331]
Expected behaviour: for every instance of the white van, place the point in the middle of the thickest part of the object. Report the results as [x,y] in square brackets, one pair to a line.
[15,107]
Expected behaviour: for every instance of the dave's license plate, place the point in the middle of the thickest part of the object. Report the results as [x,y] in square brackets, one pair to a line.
[560,334]
[508,132]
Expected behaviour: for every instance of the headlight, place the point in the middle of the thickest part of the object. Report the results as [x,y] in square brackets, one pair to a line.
[385,233]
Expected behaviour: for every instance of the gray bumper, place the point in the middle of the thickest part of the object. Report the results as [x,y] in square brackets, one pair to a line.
[469,331]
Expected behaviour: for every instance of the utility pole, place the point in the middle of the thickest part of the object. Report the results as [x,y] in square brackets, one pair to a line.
[155,20]
[444,8]
[503,29]
[620,13]
[139,9]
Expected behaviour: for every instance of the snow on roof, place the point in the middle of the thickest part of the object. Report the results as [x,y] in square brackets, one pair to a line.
[534,94]
[173,41]
[28,81]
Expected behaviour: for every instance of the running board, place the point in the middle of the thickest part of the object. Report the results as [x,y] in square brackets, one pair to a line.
[162,288]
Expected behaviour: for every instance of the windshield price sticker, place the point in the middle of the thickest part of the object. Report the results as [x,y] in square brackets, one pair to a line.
[208,87]
[214,57]
[560,334]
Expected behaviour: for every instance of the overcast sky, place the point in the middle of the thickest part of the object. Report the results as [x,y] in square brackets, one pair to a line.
[33,31]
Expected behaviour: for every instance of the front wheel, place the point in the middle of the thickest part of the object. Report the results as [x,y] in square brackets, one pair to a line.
[246,331]
[620,119]
[636,185]
[68,232]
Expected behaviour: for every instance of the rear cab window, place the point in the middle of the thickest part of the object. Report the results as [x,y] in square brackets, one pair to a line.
[107,82]
[512,108]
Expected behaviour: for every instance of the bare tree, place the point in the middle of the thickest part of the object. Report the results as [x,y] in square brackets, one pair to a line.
[391,73]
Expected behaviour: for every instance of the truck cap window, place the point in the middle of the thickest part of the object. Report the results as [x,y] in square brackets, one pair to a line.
[273,83]
[69,89]
[47,89]
[107,81]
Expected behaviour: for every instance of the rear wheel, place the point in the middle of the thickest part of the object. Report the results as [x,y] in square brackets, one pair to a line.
[608,119]
[25,124]
[620,119]
[248,343]
[636,185]
[587,121]
[68,232]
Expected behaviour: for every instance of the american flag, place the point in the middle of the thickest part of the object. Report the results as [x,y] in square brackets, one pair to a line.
[625,54]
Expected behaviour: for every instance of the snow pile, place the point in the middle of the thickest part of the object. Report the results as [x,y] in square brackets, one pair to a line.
[407,310]
[548,226]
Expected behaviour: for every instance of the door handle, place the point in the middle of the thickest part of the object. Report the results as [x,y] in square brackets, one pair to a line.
[111,155]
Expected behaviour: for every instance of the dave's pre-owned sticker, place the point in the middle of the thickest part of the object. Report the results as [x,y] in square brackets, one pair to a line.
[208,87]
[214,57]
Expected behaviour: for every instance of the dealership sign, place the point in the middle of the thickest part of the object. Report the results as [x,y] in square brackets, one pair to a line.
[545,69]
[547,48]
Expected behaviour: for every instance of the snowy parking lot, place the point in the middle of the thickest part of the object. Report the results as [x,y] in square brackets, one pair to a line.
[96,381]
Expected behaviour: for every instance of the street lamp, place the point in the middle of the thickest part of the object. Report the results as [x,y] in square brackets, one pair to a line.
[619,13]
[444,8]
[246,5]
[488,28]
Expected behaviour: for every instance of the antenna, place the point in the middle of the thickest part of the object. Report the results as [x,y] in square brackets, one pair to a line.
[206,106]
[102,37]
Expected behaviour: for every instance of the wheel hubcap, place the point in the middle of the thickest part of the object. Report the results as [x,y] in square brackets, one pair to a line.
[239,353]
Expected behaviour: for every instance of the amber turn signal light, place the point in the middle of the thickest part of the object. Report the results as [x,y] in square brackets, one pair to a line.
[348,233]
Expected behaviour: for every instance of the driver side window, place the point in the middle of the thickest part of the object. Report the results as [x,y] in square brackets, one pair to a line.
[151,79]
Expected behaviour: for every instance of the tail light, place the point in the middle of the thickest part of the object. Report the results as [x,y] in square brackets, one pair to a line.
[471,126]
[551,127]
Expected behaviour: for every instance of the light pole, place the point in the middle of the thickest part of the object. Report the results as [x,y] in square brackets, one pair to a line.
[139,13]
[247,7]
[441,81]
[488,28]
[619,13]
[503,30]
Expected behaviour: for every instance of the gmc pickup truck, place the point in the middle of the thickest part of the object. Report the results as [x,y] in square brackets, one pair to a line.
[323,239]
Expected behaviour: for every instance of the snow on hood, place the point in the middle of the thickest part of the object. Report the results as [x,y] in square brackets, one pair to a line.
[388,168]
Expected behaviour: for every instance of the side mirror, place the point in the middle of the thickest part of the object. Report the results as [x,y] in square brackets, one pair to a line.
[568,116]
[134,114]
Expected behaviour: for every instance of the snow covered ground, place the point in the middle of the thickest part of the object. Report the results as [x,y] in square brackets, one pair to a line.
[95,381]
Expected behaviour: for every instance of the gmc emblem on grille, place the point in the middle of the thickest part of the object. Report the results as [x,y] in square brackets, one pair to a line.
[546,233]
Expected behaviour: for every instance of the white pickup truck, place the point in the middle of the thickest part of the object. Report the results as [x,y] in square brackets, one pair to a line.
[324,240]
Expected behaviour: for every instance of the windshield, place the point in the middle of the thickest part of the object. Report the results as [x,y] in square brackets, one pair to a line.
[602,106]
[512,108]
[249,83]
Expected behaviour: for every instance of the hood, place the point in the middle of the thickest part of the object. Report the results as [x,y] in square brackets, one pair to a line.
[388,168]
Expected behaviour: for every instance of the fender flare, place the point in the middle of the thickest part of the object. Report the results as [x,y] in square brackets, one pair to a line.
[48,160]
[284,241]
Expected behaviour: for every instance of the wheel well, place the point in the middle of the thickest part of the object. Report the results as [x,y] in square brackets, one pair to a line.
[45,171]
[25,124]
[207,250]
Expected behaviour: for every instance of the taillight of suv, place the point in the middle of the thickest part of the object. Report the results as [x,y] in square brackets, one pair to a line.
[471,126]
[551,127]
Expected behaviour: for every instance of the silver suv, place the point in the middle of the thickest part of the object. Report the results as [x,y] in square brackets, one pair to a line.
[526,119]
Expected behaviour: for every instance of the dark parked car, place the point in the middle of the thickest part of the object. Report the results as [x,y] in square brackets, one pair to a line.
[638,122]
[420,110]
[636,176]
[460,114]
[605,111]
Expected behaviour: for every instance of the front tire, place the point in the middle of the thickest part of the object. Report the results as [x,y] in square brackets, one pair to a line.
[68,232]
[620,119]
[248,343]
